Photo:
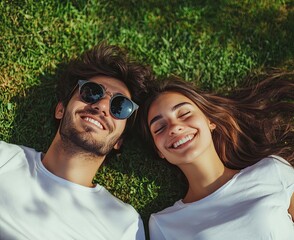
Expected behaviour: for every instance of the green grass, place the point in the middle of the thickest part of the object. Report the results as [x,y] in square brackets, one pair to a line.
[215,43]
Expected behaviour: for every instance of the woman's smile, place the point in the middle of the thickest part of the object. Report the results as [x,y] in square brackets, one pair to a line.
[183,141]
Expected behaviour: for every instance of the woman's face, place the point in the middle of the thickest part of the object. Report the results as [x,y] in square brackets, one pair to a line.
[181,132]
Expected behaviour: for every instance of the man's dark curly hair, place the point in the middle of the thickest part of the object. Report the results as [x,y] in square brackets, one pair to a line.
[110,61]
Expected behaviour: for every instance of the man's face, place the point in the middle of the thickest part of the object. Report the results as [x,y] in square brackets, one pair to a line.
[91,127]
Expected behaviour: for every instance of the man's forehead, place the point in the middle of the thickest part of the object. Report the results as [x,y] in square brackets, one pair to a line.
[111,84]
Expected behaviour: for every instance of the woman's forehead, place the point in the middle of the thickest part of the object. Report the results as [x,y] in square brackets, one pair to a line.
[170,99]
[168,102]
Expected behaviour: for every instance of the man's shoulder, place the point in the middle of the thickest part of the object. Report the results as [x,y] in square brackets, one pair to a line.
[9,152]
[115,203]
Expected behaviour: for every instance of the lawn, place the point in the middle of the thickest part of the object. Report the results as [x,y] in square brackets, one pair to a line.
[214,43]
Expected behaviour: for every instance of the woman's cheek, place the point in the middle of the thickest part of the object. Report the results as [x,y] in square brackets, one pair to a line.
[157,141]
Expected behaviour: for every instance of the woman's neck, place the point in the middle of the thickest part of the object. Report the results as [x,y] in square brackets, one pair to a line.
[205,176]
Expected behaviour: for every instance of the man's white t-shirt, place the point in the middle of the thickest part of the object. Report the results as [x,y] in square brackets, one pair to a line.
[252,205]
[35,204]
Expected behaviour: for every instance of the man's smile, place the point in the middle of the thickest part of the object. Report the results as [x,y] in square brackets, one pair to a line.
[93,121]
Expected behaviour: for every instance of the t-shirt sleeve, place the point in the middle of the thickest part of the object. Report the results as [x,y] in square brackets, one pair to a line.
[135,231]
[13,156]
[7,153]
[141,232]
[154,230]
[286,174]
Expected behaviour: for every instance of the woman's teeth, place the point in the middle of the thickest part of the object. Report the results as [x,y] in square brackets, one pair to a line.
[182,141]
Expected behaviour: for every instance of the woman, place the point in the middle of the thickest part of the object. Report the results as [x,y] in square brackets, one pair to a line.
[232,151]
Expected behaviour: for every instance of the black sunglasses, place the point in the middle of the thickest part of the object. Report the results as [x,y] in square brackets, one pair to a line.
[121,107]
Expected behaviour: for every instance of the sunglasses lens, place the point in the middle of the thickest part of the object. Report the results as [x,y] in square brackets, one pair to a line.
[91,92]
[121,107]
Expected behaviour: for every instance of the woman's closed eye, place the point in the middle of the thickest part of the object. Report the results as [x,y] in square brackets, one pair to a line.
[184,114]
[159,129]
[181,115]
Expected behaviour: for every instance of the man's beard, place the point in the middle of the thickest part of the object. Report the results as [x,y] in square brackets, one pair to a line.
[76,141]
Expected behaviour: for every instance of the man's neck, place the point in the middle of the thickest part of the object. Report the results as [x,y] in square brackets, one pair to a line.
[76,167]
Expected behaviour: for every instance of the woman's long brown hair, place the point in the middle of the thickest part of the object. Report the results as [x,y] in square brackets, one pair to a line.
[251,122]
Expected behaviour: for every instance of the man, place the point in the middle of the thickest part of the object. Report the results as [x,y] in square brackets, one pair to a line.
[51,195]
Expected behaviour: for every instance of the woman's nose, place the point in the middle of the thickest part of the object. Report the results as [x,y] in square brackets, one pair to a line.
[175,128]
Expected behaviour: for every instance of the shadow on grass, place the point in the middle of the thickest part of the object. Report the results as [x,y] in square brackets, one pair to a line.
[266,30]
[34,124]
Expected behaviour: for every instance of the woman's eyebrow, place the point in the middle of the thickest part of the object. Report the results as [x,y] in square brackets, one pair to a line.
[174,108]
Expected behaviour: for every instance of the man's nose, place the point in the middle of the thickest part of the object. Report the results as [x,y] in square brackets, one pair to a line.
[103,105]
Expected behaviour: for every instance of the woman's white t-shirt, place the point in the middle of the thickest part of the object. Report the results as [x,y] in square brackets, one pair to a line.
[252,205]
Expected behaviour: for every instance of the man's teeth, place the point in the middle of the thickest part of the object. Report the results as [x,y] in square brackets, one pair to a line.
[183,140]
[91,120]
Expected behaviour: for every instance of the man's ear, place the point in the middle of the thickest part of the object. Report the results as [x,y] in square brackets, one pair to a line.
[59,110]
[118,144]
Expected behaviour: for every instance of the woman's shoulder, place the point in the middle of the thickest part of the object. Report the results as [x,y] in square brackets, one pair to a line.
[271,161]
[276,158]
[271,169]
[275,162]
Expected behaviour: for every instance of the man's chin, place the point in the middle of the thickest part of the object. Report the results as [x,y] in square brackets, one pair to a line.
[88,146]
